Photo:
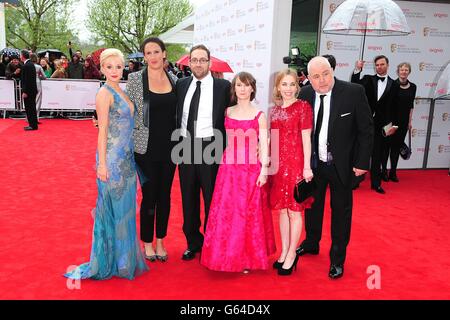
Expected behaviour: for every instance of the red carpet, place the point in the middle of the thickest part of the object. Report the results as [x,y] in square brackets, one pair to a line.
[47,189]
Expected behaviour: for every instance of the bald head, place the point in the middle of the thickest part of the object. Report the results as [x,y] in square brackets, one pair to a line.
[320,75]
[317,61]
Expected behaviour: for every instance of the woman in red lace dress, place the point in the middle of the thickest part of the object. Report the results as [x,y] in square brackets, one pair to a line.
[290,124]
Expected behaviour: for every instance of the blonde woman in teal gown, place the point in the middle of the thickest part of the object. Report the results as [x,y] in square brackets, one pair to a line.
[115,246]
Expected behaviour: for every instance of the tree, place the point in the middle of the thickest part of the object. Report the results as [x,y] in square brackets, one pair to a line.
[39,24]
[124,24]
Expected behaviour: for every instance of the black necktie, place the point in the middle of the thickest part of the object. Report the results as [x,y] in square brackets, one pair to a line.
[381,78]
[318,124]
[193,110]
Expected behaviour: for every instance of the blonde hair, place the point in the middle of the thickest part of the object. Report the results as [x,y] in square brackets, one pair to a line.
[111,52]
[280,75]
[58,65]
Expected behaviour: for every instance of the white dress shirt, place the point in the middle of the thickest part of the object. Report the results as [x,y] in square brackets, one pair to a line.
[323,135]
[381,86]
[204,125]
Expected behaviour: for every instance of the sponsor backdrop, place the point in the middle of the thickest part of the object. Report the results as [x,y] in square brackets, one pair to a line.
[7,99]
[427,49]
[240,32]
[69,94]
[439,153]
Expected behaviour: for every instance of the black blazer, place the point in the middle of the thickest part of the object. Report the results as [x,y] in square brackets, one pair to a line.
[384,110]
[28,78]
[350,128]
[221,101]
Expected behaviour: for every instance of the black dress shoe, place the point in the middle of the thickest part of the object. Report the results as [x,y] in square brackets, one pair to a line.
[302,251]
[29,128]
[188,255]
[379,190]
[384,176]
[336,271]
[393,178]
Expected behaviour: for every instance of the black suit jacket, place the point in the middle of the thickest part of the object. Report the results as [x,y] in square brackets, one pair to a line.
[350,128]
[28,78]
[221,101]
[384,110]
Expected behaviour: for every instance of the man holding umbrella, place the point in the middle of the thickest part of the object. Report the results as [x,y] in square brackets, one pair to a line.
[381,91]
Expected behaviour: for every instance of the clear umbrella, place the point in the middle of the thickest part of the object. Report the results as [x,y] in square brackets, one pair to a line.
[367,18]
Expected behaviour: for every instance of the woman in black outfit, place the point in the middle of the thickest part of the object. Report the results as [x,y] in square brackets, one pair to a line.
[405,106]
[153,91]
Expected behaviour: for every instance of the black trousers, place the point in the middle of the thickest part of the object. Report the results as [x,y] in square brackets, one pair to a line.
[196,177]
[30,109]
[392,150]
[156,190]
[341,197]
[379,149]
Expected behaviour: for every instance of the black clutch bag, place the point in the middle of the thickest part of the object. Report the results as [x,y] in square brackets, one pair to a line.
[405,150]
[303,190]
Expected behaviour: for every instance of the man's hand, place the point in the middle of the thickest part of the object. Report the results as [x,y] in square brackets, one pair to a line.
[359,65]
[24,95]
[359,172]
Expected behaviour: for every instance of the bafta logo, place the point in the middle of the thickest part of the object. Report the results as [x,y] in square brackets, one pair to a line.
[329,45]
[445,116]
[422,66]
[332,7]
[426,31]
[393,47]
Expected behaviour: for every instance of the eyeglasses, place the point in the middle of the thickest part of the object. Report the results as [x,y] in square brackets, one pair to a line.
[201,61]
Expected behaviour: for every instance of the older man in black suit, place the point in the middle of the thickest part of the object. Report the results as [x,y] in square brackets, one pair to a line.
[202,101]
[29,89]
[342,144]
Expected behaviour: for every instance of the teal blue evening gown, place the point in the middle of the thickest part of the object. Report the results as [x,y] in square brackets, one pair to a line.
[115,246]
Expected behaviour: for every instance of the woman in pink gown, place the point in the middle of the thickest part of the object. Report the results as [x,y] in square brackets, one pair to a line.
[239,234]
[291,121]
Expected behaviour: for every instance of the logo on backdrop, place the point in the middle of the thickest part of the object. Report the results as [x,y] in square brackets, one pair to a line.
[332,7]
[428,66]
[435,32]
[393,47]
[403,48]
[445,116]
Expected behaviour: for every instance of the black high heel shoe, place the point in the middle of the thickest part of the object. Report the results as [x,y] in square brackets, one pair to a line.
[277,265]
[287,272]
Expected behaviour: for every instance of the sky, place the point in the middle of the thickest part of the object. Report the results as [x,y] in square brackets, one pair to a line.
[81,14]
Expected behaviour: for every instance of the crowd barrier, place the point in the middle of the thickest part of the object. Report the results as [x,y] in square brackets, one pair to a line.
[430,139]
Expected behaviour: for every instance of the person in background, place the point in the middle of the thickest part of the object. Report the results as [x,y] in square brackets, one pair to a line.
[29,89]
[60,72]
[90,70]
[405,105]
[46,66]
[40,75]
[291,119]
[381,92]
[13,68]
[75,68]
[115,247]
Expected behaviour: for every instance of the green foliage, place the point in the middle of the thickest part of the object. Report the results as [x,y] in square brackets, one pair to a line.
[175,51]
[124,24]
[39,24]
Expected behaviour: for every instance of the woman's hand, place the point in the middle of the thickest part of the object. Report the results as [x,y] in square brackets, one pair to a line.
[262,179]
[307,174]
[102,173]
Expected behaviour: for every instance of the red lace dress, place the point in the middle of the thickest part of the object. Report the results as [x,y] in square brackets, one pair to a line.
[288,124]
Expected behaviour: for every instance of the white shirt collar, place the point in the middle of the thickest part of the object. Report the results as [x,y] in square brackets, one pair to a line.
[207,79]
